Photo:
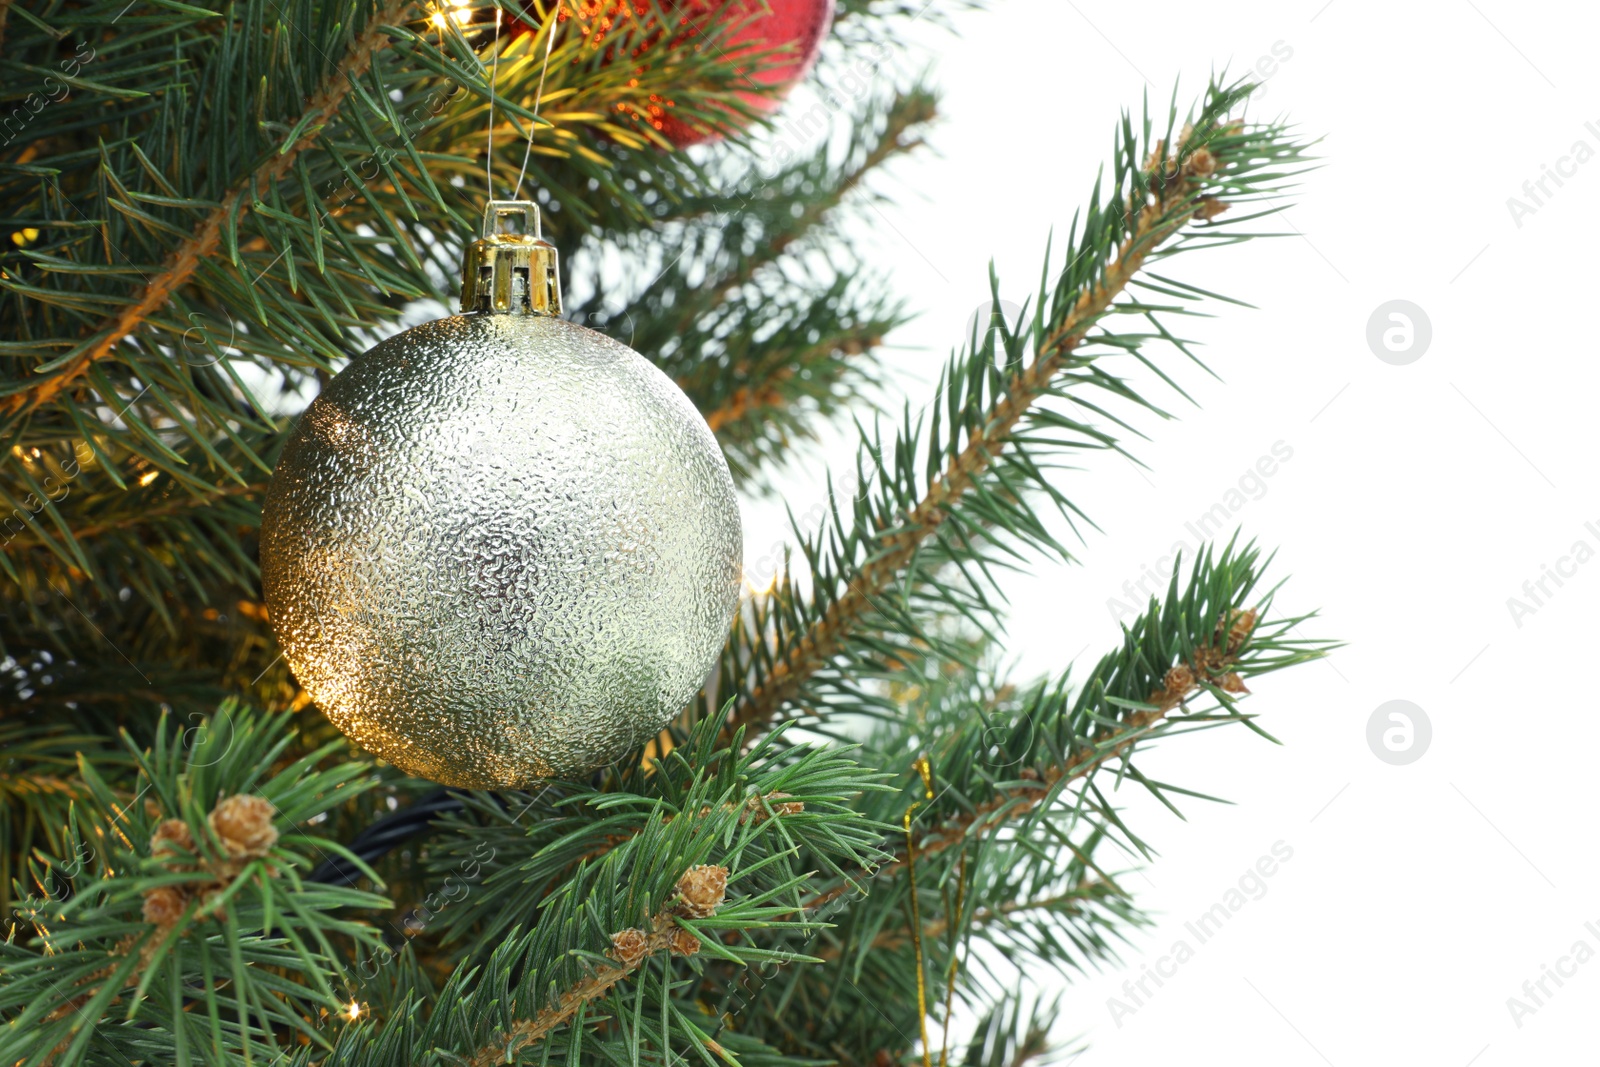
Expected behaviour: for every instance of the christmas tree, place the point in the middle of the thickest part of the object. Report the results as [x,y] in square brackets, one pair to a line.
[832,854]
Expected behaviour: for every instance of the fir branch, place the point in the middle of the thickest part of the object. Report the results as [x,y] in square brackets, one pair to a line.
[766,338]
[901,134]
[1018,800]
[189,883]
[135,510]
[909,535]
[627,870]
[526,1032]
[1006,1037]
[1020,813]
[38,787]
[1156,223]
[1201,642]
[765,389]
[208,234]
[1069,902]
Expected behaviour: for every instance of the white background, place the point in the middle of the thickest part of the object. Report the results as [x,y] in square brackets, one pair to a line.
[1418,500]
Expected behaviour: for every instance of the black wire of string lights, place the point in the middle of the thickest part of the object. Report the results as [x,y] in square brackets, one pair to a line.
[387,834]
[413,821]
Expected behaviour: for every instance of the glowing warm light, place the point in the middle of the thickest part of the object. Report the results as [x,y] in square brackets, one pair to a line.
[352,1011]
[439,20]
[761,590]
[462,15]
[148,477]
[24,236]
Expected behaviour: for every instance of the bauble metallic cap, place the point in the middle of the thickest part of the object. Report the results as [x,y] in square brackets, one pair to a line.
[509,271]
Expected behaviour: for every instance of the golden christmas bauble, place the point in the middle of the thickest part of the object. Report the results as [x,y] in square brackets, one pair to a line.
[501,547]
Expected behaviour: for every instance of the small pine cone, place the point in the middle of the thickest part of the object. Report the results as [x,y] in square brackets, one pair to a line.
[756,811]
[244,825]
[1162,165]
[1179,680]
[1240,625]
[1209,208]
[753,812]
[211,905]
[701,890]
[1152,162]
[628,947]
[151,808]
[1201,163]
[171,836]
[684,943]
[1232,683]
[163,906]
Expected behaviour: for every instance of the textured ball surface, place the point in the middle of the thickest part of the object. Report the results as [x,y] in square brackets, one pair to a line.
[499,548]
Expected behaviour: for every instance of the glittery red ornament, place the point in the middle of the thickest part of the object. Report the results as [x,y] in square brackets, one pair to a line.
[763,25]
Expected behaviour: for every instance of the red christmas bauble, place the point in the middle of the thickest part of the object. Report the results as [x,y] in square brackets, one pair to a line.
[763,25]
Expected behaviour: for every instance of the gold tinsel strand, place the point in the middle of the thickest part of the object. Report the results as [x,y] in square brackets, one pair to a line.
[916,912]
[955,960]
